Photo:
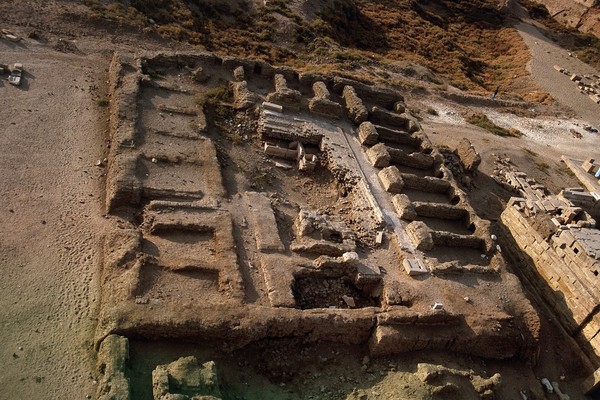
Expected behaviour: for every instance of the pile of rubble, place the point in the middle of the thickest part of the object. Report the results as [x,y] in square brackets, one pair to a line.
[15,72]
[587,84]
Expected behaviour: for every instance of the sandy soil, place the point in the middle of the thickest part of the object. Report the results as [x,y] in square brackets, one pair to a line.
[50,223]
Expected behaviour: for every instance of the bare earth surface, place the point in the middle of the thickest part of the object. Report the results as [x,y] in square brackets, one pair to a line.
[52,224]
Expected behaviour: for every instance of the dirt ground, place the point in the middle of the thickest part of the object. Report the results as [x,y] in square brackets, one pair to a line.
[52,224]
[52,135]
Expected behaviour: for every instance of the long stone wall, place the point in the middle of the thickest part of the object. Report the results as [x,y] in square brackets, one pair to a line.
[567,283]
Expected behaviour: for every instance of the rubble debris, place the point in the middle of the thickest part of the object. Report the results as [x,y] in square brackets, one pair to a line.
[316,233]
[16,73]
[186,378]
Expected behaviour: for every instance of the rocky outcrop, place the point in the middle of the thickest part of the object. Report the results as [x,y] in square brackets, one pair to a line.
[579,14]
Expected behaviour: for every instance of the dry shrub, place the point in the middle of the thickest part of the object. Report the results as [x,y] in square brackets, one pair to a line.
[539,97]
[481,120]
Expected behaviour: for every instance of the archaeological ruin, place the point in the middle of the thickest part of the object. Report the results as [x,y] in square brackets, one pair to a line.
[257,203]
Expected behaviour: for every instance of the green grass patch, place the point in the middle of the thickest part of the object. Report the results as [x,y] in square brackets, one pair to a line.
[481,120]
[102,102]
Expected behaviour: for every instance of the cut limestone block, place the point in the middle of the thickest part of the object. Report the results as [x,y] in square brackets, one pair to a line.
[420,235]
[391,179]
[404,207]
[262,220]
[367,134]
[378,156]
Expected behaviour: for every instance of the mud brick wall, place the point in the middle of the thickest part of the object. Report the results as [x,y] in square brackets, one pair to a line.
[356,109]
[565,284]
[122,187]
[414,160]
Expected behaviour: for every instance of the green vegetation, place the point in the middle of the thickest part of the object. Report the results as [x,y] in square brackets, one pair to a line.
[481,120]
[260,178]
[416,113]
[217,100]
[432,111]
[102,102]
[218,95]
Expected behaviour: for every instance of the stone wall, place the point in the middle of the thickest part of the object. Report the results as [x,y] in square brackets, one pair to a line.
[563,275]
[579,14]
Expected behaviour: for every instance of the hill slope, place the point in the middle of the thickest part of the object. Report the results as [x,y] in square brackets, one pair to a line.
[467,42]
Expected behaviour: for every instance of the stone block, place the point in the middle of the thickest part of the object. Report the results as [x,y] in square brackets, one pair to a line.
[372,94]
[414,267]
[440,210]
[385,117]
[391,179]
[469,158]
[238,74]
[113,356]
[416,160]
[367,134]
[320,90]
[288,98]
[357,112]
[378,156]
[450,239]
[281,152]
[185,375]
[397,136]
[404,207]
[325,107]
[420,235]
[243,98]
[399,107]
[425,184]
[262,220]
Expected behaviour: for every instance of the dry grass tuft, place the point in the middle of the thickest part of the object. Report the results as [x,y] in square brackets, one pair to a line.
[481,120]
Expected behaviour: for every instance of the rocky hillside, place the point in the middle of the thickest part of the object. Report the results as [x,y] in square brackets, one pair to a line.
[581,14]
[464,43]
